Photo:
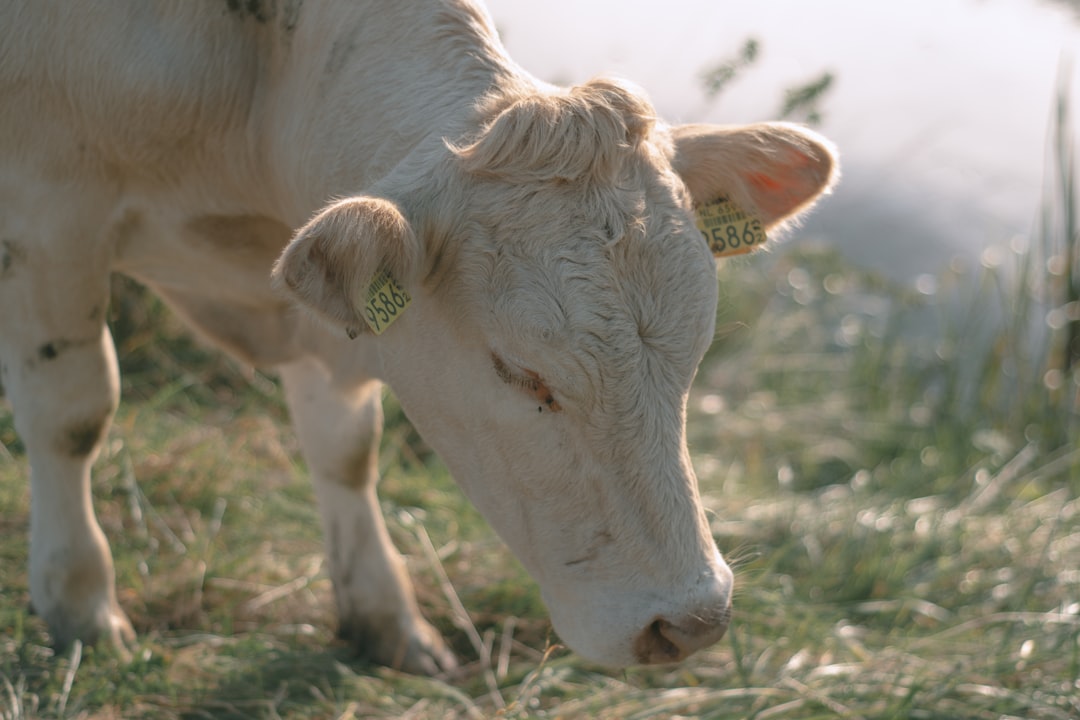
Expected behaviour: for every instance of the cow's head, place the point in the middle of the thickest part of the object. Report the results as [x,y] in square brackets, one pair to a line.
[561,300]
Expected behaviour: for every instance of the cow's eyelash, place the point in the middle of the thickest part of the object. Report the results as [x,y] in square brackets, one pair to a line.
[506,375]
[530,383]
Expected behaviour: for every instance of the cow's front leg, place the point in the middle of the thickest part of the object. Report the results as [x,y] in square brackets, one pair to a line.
[59,371]
[340,429]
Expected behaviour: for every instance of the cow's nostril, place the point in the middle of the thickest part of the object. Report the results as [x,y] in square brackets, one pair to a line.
[665,642]
[654,646]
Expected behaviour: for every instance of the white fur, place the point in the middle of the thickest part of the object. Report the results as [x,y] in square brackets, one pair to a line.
[562,298]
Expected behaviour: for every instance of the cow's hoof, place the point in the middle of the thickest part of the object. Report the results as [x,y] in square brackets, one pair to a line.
[107,628]
[412,645]
[427,653]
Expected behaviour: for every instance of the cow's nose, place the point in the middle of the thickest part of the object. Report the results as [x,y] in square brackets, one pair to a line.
[667,640]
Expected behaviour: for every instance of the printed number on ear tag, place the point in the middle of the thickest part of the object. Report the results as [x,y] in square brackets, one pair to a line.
[729,230]
[386,300]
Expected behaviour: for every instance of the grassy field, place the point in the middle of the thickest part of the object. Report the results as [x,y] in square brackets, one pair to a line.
[894,472]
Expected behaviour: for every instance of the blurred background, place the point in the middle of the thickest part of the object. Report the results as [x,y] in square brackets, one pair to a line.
[941,108]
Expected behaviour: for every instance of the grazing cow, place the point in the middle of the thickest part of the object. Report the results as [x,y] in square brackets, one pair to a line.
[519,262]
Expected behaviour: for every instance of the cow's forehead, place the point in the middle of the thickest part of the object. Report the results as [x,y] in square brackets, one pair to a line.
[594,279]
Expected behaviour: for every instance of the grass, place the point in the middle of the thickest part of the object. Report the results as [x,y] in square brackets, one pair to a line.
[894,472]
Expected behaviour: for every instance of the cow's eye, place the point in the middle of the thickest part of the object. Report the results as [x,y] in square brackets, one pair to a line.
[528,381]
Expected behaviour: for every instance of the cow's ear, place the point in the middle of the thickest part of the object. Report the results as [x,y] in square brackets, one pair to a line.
[331,262]
[773,171]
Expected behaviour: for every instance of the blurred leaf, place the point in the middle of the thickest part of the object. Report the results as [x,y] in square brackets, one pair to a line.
[717,78]
[804,99]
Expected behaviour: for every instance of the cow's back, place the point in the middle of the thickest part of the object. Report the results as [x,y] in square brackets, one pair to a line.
[122,85]
[269,94]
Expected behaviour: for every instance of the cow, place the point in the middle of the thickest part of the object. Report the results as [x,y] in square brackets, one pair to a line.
[352,193]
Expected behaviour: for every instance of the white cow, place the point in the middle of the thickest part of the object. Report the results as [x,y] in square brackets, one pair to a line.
[544,304]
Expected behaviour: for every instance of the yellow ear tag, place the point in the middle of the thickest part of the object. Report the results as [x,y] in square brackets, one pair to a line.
[386,300]
[728,230]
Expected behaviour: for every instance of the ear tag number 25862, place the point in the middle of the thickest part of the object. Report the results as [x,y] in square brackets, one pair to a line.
[385,302]
[728,229]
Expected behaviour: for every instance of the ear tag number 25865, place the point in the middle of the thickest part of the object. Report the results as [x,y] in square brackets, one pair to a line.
[386,300]
[728,229]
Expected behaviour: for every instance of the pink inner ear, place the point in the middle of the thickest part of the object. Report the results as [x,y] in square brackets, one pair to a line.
[780,191]
[764,182]
[775,196]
